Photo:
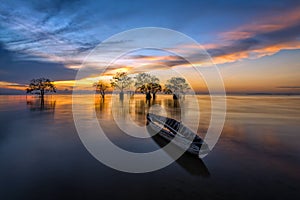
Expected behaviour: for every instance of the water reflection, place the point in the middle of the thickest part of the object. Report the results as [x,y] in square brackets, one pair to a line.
[173,108]
[259,146]
[38,104]
[254,124]
[140,111]
[101,105]
[190,163]
[134,108]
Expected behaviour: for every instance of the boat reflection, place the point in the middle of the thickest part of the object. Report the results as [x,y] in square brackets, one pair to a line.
[190,163]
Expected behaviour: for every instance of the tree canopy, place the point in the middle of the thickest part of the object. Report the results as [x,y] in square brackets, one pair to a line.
[176,86]
[101,87]
[147,83]
[121,81]
[41,86]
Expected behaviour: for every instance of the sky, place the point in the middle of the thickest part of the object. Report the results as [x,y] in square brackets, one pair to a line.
[255,44]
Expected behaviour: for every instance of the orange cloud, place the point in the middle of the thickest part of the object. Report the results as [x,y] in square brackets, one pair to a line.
[266,25]
[267,37]
[13,86]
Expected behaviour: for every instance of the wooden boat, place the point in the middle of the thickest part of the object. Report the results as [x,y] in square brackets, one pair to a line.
[168,128]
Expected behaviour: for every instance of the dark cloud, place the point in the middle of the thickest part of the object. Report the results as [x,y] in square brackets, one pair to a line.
[172,63]
[291,33]
[259,41]
[159,62]
[235,47]
[66,28]
[22,71]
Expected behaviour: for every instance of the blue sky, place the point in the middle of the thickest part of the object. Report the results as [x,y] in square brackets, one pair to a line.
[45,38]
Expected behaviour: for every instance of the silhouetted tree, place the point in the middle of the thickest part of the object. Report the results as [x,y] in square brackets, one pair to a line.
[167,91]
[101,87]
[176,86]
[121,81]
[146,84]
[41,86]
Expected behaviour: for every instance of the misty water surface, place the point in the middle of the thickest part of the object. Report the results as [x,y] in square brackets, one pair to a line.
[42,157]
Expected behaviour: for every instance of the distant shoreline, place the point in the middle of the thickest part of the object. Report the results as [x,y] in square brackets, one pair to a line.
[228,94]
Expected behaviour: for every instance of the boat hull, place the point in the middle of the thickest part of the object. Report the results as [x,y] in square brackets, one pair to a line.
[168,128]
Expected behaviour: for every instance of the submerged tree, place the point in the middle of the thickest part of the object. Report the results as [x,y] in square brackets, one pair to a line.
[41,86]
[147,84]
[121,81]
[176,86]
[101,87]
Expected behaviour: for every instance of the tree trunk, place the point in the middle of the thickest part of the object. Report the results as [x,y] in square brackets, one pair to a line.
[154,95]
[175,96]
[42,99]
[121,95]
[102,93]
[42,93]
[148,96]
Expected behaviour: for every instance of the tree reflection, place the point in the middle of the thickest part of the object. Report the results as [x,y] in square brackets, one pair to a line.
[173,108]
[37,104]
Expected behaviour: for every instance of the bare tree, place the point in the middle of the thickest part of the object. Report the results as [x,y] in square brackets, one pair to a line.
[101,87]
[41,86]
[121,81]
[177,86]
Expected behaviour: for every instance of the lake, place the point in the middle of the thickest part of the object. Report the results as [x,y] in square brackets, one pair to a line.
[42,156]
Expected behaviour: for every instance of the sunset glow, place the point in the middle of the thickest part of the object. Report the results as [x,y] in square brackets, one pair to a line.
[58,50]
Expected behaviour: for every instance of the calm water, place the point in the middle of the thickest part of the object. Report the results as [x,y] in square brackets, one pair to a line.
[257,155]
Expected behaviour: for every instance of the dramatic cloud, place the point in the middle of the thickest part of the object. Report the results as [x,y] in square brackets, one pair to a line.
[266,37]
[21,71]
[64,31]
[51,38]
